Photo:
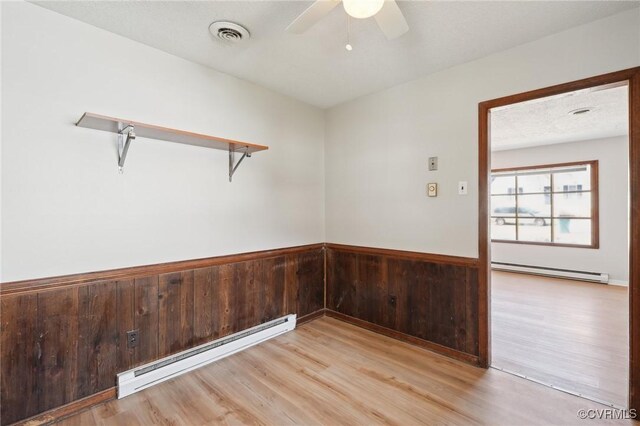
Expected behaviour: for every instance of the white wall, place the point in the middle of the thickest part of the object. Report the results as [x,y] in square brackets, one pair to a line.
[377,146]
[65,208]
[613,255]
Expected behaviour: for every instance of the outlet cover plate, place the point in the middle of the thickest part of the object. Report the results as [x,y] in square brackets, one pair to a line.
[132,338]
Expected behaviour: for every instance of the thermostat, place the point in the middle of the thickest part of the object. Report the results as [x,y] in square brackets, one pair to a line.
[432,189]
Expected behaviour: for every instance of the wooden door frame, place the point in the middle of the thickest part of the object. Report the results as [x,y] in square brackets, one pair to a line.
[630,77]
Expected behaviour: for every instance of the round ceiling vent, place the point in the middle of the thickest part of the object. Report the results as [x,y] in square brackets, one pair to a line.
[228,31]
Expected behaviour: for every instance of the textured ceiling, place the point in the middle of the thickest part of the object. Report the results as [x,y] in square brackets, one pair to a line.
[549,120]
[315,67]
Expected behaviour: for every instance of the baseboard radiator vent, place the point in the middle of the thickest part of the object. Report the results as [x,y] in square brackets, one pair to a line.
[147,375]
[597,277]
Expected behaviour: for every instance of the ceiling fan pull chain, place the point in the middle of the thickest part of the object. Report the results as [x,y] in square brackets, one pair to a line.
[348,45]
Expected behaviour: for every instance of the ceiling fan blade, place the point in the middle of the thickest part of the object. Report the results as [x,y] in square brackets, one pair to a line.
[391,20]
[318,10]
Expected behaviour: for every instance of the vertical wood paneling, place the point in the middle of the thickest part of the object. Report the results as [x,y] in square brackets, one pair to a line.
[19,357]
[126,317]
[242,287]
[417,290]
[58,327]
[205,313]
[272,281]
[291,283]
[309,282]
[446,319]
[433,301]
[471,315]
[226,299]
[175,321]
[399,297]
[369,292]
[146,319]
[342,282]
[97,338]
[61,344]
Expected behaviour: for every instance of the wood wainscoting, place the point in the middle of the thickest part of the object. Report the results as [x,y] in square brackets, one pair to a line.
[425,299]
[64,339]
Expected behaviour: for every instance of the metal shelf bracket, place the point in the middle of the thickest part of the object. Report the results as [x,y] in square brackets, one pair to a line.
[232,167]
[125,136]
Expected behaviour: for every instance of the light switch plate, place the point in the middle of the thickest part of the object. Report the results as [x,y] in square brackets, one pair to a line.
[432,189]
[462,187]
[433,164]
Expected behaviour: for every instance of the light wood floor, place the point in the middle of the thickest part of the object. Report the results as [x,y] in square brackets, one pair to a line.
[329,372]
[570,334]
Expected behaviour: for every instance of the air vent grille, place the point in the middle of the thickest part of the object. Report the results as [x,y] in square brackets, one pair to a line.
[228,31]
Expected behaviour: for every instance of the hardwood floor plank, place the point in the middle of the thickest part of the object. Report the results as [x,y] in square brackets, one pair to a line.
[330,372]
[570,334]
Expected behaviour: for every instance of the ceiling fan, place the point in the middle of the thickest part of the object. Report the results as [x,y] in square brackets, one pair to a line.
[386,13]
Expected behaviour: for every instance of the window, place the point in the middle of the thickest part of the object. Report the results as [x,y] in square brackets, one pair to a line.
[554,204]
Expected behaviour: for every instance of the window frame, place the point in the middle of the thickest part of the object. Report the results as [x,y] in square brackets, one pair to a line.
[595,210]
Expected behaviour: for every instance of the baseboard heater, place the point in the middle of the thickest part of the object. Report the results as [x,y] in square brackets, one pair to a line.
[598,277]
[156,372]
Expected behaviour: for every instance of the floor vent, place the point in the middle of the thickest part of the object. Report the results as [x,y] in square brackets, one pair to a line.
[597,277]
[158,371]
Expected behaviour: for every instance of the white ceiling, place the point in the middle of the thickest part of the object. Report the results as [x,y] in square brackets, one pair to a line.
[549,120]
[315,67]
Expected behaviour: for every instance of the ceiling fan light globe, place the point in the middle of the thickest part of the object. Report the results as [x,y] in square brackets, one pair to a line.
[362,9]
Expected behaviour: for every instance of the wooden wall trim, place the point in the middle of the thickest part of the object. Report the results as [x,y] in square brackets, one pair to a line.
[434,347]
[40,284]
[310,317]
[634,249]
[409,255]
[59,413]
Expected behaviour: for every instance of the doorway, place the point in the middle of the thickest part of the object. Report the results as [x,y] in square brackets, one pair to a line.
[560,229]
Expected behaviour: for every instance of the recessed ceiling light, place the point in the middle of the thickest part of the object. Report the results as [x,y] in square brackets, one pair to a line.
[580,111]
[229,31]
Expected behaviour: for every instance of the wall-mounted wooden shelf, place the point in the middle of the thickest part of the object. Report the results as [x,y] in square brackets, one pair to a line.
[128,130]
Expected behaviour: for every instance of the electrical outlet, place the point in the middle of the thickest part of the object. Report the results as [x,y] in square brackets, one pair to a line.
[462,187]
[433,164]
[432,189]
[132,338]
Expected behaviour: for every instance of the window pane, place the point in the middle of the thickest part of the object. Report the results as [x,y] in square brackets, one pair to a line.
[503,184]
[575,178]
[572,204]
[503,229]
[532,206]
[503,205]
[536,183]
[572,231]
[535,230]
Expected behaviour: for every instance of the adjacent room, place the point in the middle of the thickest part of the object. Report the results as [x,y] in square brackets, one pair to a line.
[331,212]
[560,241]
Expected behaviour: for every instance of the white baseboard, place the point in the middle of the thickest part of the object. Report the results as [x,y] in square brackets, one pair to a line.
[598,277]
[621,283]
[163,369]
